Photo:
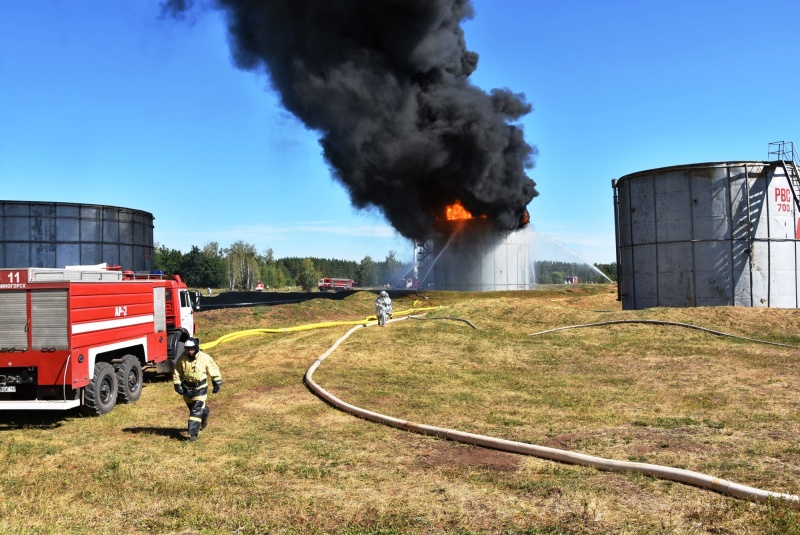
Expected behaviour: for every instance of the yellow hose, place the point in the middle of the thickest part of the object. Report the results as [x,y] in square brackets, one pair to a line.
[251,332]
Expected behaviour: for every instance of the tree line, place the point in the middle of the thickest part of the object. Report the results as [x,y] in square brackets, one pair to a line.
[241,267]
[556,272]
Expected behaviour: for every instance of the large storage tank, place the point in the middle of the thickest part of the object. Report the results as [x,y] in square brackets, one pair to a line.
[706,235]
[51,234]
[472,255]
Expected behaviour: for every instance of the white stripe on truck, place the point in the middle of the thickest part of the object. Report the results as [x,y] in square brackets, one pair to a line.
[111,324]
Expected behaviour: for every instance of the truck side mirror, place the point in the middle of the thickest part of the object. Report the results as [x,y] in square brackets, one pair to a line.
[195,298]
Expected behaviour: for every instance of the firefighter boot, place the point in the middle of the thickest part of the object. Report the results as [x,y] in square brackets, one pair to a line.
[192,438]
[204,418]
[196,412]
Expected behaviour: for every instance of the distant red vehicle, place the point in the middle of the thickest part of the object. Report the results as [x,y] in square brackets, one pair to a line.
[330,283]
[407,282]
[259,286]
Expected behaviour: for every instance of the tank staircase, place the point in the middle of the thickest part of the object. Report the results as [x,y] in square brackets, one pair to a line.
[785,156]
[424,260]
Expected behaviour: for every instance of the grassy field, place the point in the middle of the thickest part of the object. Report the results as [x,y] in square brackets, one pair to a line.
[276,459]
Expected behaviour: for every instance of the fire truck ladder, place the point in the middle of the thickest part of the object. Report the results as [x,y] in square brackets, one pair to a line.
[787,158]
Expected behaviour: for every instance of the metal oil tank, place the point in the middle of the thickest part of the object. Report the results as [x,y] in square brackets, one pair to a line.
[52,234]
[707,235]
[472,255]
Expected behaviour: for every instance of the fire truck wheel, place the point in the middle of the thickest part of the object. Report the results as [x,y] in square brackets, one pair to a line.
[174,344]
[129,379]
[100,394]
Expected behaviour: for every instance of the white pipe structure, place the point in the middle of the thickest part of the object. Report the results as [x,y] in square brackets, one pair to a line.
[689,477]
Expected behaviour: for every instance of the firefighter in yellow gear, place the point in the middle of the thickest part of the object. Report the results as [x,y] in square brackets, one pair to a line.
[193,370]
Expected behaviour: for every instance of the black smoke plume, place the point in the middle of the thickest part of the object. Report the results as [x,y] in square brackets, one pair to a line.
[386,84]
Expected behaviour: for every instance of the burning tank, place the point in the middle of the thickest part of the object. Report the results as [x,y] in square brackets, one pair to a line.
[472,254]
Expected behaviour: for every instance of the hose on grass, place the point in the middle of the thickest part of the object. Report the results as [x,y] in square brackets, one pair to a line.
[660,322]
[680,475]
[446,318]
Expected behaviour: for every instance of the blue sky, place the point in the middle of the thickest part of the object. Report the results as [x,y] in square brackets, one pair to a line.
[107,103]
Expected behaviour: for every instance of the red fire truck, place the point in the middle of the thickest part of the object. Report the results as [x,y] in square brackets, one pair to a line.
[330,283]
[79,336]
[407,282]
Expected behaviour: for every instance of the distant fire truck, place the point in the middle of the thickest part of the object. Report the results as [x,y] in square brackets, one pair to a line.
[79,336]
[336,285]
[407,282]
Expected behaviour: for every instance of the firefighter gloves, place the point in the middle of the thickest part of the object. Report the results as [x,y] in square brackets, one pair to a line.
[178,388]
[217,385]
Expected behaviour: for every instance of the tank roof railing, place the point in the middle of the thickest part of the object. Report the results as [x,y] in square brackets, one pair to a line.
[783,150]
[787,159]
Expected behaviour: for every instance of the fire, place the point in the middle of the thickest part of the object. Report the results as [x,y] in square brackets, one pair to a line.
[457,211]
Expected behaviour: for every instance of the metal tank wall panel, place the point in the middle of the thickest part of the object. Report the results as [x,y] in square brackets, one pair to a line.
[671,191]
[473,256]
[797,263]
[710,219]
[38,234]
[713,273]
[675,278]
[646,279]
[643,218]
[708,235]
[782,275]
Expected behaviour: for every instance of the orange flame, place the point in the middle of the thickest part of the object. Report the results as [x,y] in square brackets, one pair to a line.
[456,211]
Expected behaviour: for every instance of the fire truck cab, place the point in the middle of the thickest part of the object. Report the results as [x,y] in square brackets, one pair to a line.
[80,336]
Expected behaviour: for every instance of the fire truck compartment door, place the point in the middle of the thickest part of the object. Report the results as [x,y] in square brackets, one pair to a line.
[160,305]
[13,320]
[49,319]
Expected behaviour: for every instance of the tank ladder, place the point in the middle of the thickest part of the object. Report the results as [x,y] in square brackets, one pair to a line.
[787,158]
[424,258]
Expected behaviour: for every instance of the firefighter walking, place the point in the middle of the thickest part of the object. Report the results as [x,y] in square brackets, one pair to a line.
[383,308]
[193,370]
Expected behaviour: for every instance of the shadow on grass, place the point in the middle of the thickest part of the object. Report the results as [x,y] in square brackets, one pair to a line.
[10,420]
[169,432]
[151,376]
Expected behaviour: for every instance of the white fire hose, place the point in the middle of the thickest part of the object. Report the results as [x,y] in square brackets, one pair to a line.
[689,477]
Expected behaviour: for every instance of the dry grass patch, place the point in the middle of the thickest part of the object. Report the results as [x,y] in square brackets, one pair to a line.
[276,459]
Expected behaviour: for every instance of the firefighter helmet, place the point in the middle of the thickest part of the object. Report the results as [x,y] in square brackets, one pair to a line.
[384,294]
[190,344]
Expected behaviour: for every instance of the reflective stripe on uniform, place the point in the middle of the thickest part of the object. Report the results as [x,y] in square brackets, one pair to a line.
[196,384]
